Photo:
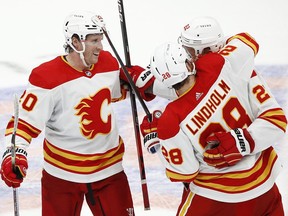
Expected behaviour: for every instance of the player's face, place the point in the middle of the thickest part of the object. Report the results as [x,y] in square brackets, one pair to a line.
[93,46]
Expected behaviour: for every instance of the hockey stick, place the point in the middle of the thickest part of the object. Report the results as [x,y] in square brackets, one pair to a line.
[13,154]
[134,109]
[129,78]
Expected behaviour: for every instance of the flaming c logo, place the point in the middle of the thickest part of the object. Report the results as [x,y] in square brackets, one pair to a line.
[94,116]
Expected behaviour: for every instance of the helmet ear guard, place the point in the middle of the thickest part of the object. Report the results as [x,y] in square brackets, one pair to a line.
[168,64]
[202,32]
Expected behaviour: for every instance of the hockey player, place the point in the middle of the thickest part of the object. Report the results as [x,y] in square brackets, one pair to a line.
[217,136]
[70,99]
[200,36]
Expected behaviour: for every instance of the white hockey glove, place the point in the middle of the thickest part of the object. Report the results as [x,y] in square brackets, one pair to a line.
[228,148]
[149,132]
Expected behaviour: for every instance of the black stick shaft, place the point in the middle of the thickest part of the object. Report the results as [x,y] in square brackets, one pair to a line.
[129,78]
[134,109]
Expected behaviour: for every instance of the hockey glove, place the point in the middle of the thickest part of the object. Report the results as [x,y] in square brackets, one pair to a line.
[149,132]
[228,148]
[142,78]
[13,178]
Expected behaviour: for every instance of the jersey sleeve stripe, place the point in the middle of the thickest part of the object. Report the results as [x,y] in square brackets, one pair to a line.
[247,39]
[24,130]
[178,177]
[276,117]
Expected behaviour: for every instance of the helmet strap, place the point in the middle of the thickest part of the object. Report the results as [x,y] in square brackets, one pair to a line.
[80,53]
[83,60]
[191,67]
[193,72]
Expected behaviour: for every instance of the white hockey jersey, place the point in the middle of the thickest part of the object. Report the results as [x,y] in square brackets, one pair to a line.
[227,94]
[73,107]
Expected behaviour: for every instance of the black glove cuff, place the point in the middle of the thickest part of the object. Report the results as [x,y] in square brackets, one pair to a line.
[17,151]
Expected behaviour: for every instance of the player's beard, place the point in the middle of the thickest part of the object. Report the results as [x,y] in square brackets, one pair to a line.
[92,59]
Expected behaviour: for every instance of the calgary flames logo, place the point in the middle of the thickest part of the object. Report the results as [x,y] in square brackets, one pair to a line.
[94,116]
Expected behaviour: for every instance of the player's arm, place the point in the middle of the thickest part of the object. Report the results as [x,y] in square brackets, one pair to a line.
[32,116]
[178,157]
[271,120]
[171,144]
[35,108]
[177,153]
[267,128]
[240,52]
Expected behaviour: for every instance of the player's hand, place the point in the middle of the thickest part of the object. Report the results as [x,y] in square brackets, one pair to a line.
[228,148]
[149,132]
[13,178]
[143,79]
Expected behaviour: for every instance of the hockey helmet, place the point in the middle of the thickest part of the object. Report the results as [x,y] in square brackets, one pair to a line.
[202,32]
[82,23]
[168,64]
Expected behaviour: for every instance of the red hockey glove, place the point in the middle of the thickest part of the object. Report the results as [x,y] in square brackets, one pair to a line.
[228,148]
[142,78]
[10,177]
[149,132]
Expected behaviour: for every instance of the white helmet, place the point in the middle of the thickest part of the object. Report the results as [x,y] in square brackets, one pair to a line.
[202,32]
[168,64]
[82,23]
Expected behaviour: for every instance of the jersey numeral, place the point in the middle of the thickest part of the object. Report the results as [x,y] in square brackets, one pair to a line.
[173,155]
[29,102]
[227,50]
[234,116]
[261,93]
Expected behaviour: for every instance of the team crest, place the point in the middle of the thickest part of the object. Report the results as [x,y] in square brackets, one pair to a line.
[93,119]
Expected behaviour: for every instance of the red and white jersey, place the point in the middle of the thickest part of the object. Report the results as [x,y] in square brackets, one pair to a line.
[73,107]
[227,94]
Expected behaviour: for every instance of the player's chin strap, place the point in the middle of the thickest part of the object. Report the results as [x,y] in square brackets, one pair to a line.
[191,69]
[193,72]
[80,53]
